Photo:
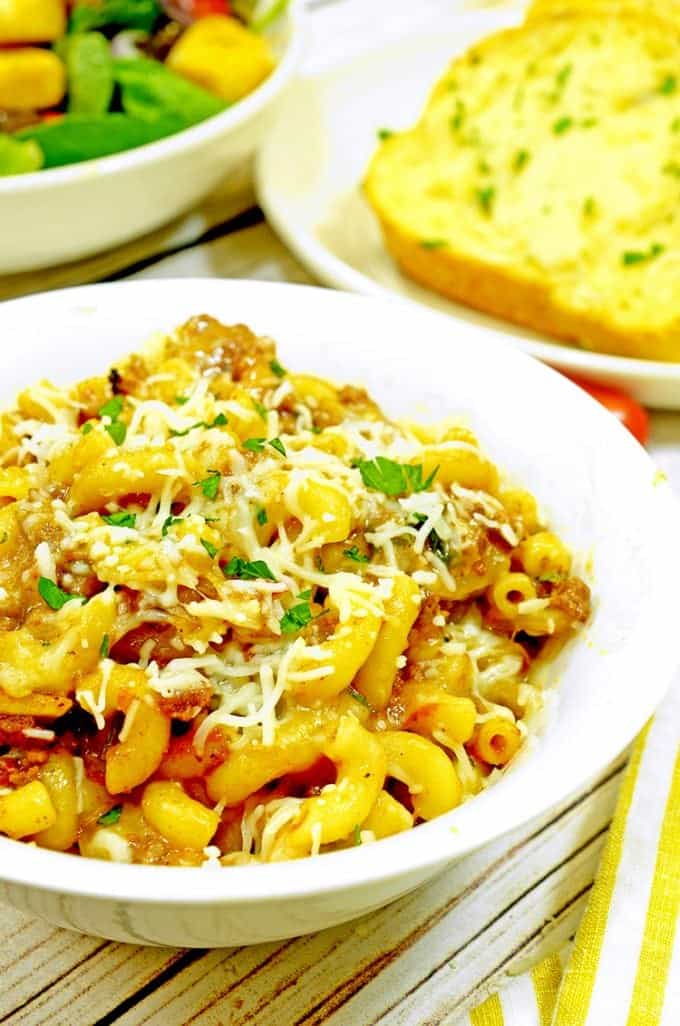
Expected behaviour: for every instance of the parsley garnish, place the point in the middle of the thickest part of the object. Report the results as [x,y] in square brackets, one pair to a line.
[111,817]
[562,76]
[319,565]
[358,697]
[384,475]
[113,409]
[248,571]
[521,160]
[669,85]
[168,523]
[562,125]
[485,198]
[87,427]
[260,408]
[209,485]
[52,594]
[356,834]
[104,647]
[120,519]
[305,595]
[277,444]
[211,549]
[356,555]
[384,133]
[589,206]
[637,256]
[219,421]
[296,618]
[456,121]
[432,243]
[277,369]
[181,399]
[117,430]
[261,515]
[254,444]
[435,543]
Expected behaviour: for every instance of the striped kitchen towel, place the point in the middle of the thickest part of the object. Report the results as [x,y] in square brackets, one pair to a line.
[623,968]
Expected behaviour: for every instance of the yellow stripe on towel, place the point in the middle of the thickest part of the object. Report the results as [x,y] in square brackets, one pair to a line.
[546,980]
[579,977]
[489,1013]
[662,915]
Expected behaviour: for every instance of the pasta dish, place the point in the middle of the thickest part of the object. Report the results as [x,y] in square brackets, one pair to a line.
[245,617]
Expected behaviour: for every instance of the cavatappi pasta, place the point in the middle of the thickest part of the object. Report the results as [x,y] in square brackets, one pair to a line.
[244,617]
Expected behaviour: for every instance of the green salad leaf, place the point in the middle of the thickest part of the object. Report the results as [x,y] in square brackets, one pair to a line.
[17,156]
[132,14]
[150,90]
[88,136]
[89,67]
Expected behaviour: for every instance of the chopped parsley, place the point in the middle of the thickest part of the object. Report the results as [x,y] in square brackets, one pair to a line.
[638,256]
[384,133]
[116,429]
[672,168]
[181,399]
[589,206]
[277,444]
[675,125]
[435,543]
[277,369]
[211,549]
[87,427]
[669,85]
[210,484]
[260,408]
[521,159]
[295,618]
[261,515]
[104,647]
[120,519]
[562,125]
[113,408]
[356,555]
[562,76]
[111,817]
[247,571]
[258,444]
[52,594]
[305,595]
[356,834]
[485,198]
[432,243]
[458,117]
[219,421]
[168,523]
[254,444]
[384,475]
[358,697]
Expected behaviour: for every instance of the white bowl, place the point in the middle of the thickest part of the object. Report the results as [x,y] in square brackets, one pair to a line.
[66,213]
[599,488]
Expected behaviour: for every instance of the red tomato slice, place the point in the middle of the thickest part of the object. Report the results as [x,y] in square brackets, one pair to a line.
[203,8]
[629,412]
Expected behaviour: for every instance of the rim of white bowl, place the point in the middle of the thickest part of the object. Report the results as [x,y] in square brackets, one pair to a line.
[430,844]
[186,139]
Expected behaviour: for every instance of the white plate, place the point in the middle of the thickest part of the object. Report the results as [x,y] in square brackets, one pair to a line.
[309,170]
[597,485]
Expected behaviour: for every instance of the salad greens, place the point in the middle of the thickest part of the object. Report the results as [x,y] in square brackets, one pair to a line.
[126,73]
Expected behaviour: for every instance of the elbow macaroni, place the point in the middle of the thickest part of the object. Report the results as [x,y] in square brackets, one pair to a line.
[244,617]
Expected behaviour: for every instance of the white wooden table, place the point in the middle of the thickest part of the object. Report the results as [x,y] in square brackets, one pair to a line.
[420,961]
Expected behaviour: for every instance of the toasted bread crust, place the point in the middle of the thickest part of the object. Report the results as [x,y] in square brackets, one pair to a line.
[520,300]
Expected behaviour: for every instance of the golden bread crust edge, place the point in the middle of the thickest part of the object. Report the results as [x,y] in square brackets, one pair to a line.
[520,300]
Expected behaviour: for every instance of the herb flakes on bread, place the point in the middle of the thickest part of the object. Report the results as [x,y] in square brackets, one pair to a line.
[542,183]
